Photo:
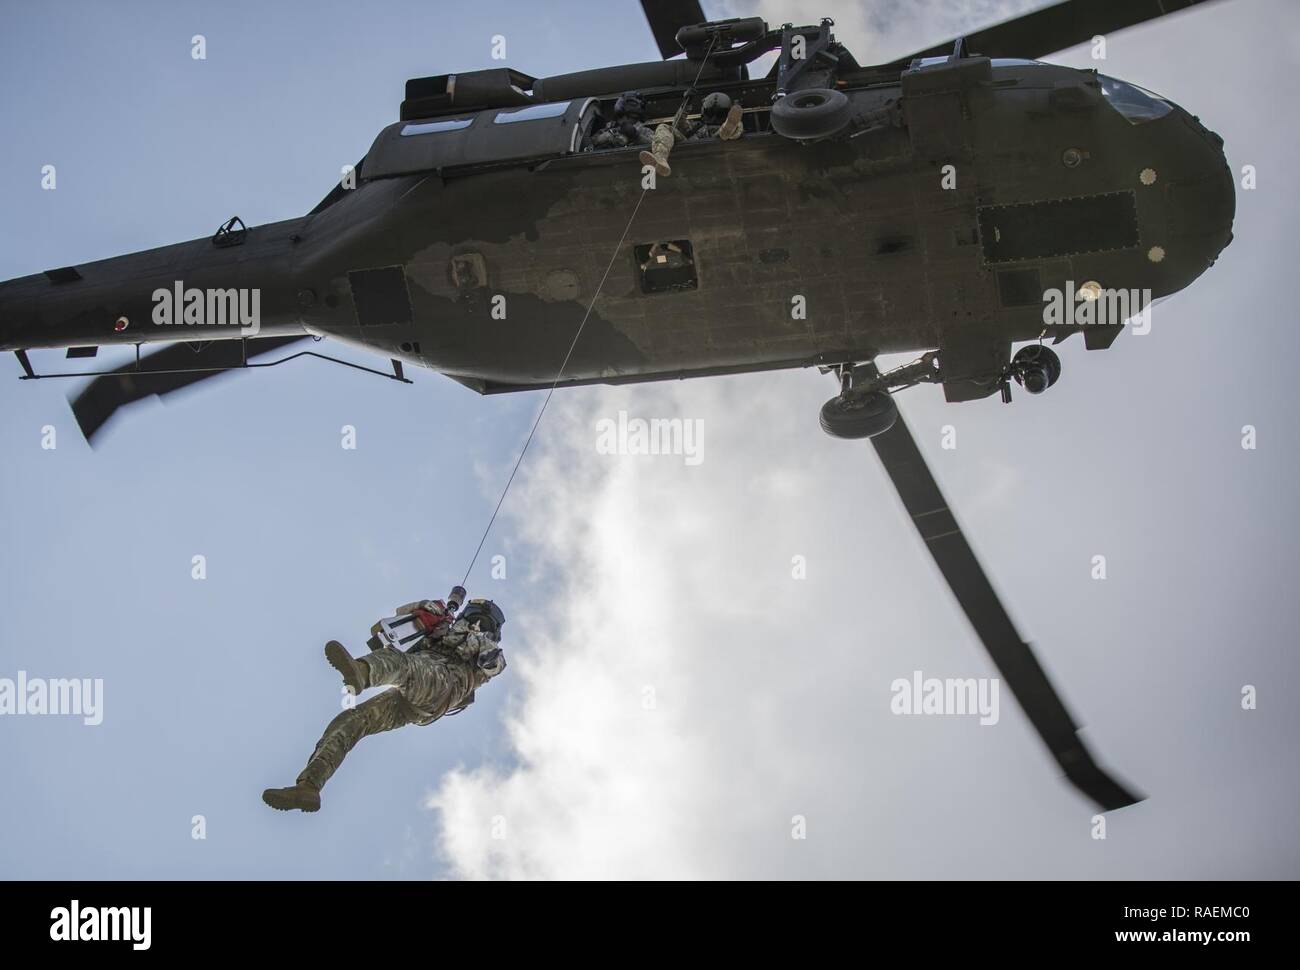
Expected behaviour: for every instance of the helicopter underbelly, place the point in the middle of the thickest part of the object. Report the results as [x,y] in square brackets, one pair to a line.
[796,255]
[792,255]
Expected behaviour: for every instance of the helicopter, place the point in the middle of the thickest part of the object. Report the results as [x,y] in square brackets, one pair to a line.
[929,204]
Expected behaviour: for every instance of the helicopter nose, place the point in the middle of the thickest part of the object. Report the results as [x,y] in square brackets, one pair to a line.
[1202,199]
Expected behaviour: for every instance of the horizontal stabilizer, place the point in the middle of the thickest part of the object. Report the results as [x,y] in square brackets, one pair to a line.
[167,370]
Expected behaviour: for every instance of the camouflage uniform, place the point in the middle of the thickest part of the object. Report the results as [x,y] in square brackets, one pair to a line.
[661,145]
[621,134]
[719,118]
[627,128]
[431,680]
[448,657]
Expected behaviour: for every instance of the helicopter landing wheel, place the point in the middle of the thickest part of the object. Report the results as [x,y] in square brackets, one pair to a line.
[862,416]
[811,114]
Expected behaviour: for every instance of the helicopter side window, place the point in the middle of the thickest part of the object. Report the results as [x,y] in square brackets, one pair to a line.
[996,61]
[429,127]
[532,113]
[1135,104]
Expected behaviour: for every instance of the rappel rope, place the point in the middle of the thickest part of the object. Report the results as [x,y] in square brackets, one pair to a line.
[556,383]
[572,344]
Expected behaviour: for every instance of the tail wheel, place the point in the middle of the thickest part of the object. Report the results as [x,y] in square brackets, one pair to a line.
[811,114]
[859,417]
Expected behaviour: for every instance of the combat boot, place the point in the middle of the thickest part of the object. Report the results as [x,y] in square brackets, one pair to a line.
[660,146]
[731,128]
[356,675]
[658,160]
[304,796]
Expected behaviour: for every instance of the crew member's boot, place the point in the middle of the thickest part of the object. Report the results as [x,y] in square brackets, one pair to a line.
[356,675]
[660,147]
[732,127]
[304,796]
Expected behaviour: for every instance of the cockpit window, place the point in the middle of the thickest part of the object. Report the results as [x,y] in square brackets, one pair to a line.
[1135,104]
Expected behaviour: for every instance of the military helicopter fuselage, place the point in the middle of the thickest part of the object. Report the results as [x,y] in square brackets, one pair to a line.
[946,203]
[956,193]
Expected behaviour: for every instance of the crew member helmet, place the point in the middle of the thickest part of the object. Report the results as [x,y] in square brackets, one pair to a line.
[487,614]
[715,108]
[630,105]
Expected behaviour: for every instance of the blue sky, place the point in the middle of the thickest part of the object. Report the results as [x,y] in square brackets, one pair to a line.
[217,689]
[628,573]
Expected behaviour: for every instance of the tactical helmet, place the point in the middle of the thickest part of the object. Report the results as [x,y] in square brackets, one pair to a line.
[716,106]
[487,614]
[630,105]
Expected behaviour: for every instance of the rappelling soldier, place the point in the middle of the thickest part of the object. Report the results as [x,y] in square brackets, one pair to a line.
[719,118]
[450,655]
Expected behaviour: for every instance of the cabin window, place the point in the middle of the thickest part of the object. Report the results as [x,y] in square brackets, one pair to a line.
[534,113]
[429,127]
[664,267]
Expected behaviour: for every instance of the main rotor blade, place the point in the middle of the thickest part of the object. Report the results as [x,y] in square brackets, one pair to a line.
[100,400]
[1057,27]
[1013,657]
[669,16]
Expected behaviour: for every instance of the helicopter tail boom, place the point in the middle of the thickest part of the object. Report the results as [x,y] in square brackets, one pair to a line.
[236,284]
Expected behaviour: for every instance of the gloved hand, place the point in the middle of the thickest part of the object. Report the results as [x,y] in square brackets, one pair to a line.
[492,661]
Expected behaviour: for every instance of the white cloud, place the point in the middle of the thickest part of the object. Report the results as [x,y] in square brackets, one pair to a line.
[882,32]
[678,580]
